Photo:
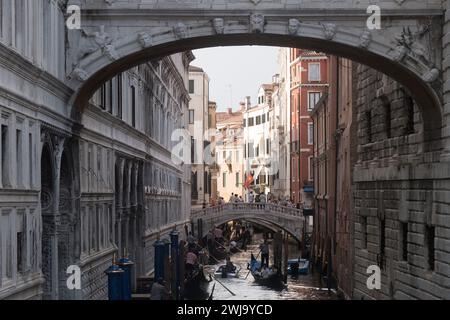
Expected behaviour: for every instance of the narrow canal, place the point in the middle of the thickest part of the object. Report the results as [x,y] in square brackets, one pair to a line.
[305,287]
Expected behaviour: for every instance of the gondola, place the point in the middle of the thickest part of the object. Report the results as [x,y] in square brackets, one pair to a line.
[196,286]
[273,279]
[298,267]
[217,253]
[221,272]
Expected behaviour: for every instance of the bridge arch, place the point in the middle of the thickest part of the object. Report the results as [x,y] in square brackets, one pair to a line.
[285,218]
[391,56]
[267,224]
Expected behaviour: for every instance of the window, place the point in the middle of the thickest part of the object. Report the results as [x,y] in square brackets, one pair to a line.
[111,98]
[133,106]
[382,243]
[103,96]
[209,120]
[224,180]
[245,123]
[268,146]
[313,99]
[263,118]
[409,105]
[30,159]
[429,236]
[20,242]
[404,237]
[258,120]
[251,122]
[194,189]
[251,150]
[314,72]
[237,156]
[237,179]
[192,150]
[5,152]
[191,116]
[369,126]
[191,86]
[310,133]
[388,120]
[364,232]
[19,157]
[6,245]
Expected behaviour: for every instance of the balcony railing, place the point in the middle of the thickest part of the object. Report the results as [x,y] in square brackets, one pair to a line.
[248,208]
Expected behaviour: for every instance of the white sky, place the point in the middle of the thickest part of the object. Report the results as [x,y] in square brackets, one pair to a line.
[236,72]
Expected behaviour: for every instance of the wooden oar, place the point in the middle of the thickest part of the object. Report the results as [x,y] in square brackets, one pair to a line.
[224,286]
[212,292]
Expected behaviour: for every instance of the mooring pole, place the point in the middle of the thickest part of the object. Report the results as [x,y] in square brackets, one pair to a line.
[174,235]
[286,253]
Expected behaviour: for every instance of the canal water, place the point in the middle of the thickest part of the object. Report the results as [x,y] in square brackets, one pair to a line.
[305,287]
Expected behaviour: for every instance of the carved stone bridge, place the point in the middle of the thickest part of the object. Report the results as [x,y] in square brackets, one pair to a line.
[272,216]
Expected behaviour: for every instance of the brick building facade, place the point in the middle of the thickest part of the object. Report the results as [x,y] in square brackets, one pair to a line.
[309,79]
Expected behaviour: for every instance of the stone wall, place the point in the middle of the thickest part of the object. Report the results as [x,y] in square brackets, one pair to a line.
[401,199]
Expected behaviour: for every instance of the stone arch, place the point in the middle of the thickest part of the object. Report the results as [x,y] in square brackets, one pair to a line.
[265,222]
[369,48]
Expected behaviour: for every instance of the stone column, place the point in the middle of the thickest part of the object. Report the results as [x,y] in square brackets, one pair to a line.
[119,200]
[57,155]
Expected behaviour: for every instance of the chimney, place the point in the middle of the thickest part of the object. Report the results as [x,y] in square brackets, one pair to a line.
[242,105]
[248,102]
[230,110]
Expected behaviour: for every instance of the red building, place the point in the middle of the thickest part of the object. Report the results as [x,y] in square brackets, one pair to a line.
[334,157]
[309,80]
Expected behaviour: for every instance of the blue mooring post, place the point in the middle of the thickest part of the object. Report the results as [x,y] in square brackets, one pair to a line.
[126,265]
[159,259]
[166,247]
[174,235]
[115,282]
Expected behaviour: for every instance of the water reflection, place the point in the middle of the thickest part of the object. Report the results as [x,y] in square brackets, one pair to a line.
[307,287]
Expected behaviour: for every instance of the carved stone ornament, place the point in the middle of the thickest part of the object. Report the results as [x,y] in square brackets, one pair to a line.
[80,74]
[180,30]
[145,39]
[431,76]
[294,26]
[365,39]
[407,43]
[110,51]
[257,23]
[219,25]
[329,30]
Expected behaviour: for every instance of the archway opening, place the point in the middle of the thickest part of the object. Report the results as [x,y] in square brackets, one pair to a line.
[425,96]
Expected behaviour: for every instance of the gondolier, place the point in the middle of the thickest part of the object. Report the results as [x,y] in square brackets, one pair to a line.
[264,253]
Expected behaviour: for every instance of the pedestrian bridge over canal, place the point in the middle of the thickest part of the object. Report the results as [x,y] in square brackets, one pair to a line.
[272,216]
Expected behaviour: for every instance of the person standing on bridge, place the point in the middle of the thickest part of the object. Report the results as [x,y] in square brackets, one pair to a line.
[251,197]
[263,198]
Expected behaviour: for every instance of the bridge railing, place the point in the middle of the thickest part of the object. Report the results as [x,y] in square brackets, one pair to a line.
[248,207]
